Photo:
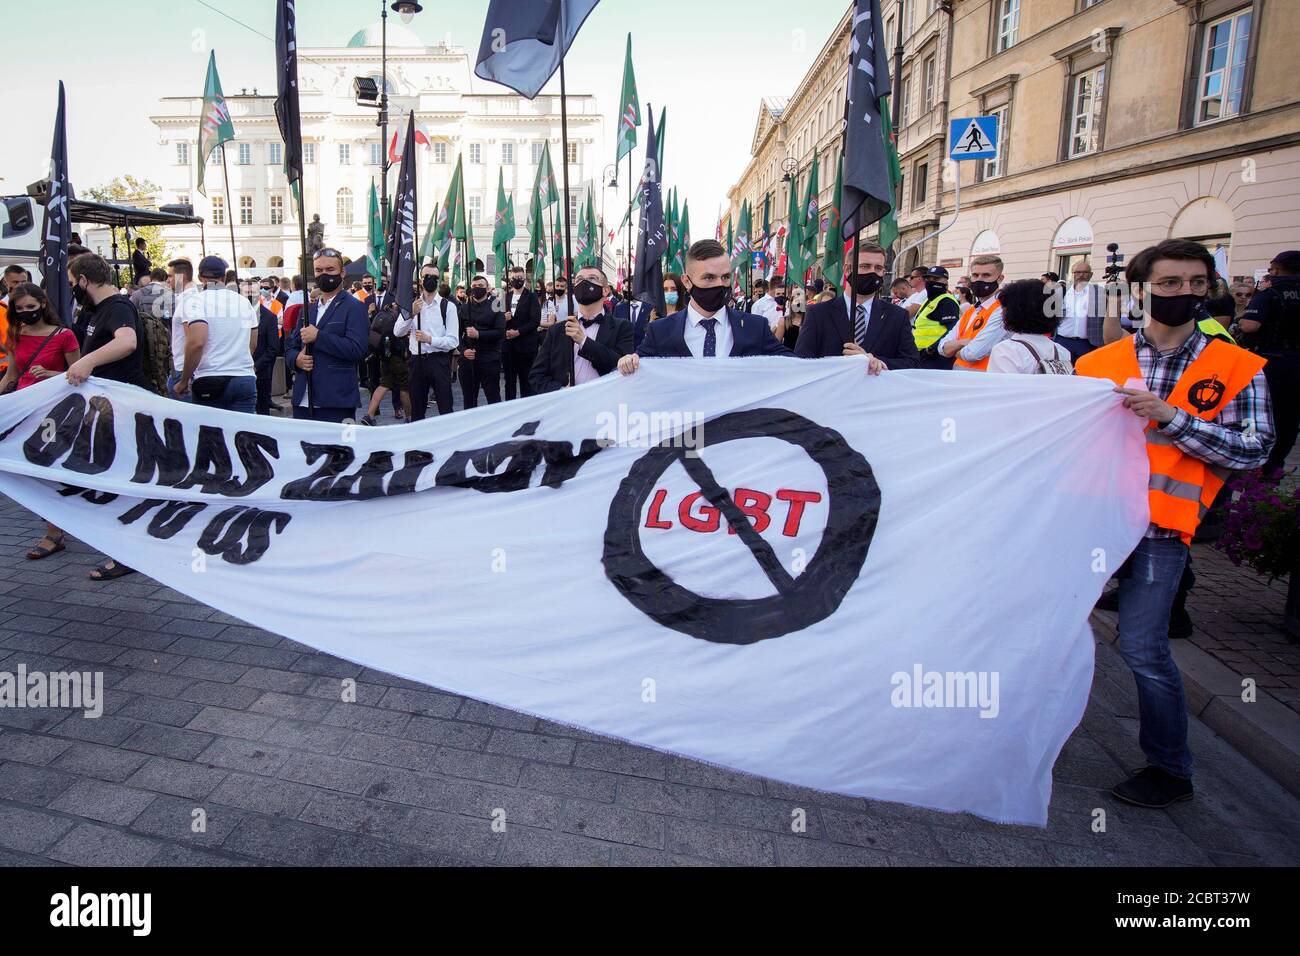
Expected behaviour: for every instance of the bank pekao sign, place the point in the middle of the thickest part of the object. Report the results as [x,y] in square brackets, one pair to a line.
[1074,233]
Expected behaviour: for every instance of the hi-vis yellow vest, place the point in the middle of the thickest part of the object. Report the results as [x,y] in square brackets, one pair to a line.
[1214,329]
[926,331]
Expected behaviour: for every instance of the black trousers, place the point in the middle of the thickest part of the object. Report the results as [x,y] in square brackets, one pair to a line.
[1076,347]
[264,374]
[517,366]
[319,414]
[430,371]
[480,373]
[1283,376]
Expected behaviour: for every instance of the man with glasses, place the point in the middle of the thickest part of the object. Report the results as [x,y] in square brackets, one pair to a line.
[919,294]
[328,345]
[1207,413]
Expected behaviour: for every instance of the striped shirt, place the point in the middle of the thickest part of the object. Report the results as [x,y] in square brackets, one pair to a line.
[1229,441]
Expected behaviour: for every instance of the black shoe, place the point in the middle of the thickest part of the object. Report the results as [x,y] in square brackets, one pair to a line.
[1153,788]
[1109,600]
[367,420]
[1180,624]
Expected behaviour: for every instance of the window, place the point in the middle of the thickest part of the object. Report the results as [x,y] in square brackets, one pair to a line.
[507,154]
[182,154]
[277,210]
[537,153]
[992,168]
[475,209]
[345,154]
[890,34]
[218,211]
[275,153]
[572,157]
[440,153]
[245,154]
[928,73]
[476,153]
[214,157]
[905,16]
[183,199]
[573,210]
[920,184]
[1085,112]
[308,153]
[343,206]
[905,110]
[1222,76]
[376,154]
[1007,26]
[245,210]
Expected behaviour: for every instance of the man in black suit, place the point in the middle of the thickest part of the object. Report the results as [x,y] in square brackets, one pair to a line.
[519,350]
[636,312]
[591,342]
[140,264]
[483,329]
[879,330]
[706,328]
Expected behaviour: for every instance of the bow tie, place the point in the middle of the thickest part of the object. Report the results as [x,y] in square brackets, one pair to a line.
[588,323]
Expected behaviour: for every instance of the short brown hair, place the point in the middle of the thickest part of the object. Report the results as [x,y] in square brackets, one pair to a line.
[92,268]
[1139,267]
[703,249]
[182,267]
[988,260]
[873,247]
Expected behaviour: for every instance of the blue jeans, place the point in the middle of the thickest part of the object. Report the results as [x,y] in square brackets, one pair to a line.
[172,379]
[239,395]
[1146,596]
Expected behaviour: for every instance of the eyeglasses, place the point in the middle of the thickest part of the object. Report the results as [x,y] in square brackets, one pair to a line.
[1173,285]
[330,253]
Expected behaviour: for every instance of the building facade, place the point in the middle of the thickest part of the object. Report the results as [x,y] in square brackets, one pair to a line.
[1124,121]
[490,128]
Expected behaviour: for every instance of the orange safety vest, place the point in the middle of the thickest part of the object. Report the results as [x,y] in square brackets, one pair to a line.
[972,320]
[1182,487]
[276,306]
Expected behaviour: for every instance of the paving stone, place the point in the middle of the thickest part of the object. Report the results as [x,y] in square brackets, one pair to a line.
[424,703]
[232,723]
[670,799]
[252,756]
[281,841]
[986,849]
[157,710]
[532,746]
[793,851]
[93,845]
[31,748]
[290,705]
[391,751]
[453,733]
[572,782]
[375,720]
[173,854]
[490,767]
[615,824]
[620,758]
[168,741]
[37,786]
[210,670]
[191,822]
[332,773]
[263,795]
[105,763]
[105,802]
[365,851]
[681,770]
[528,847]
[725,844]
[268,678]
[176,777]
[299,735]
[513,805]
[30,831]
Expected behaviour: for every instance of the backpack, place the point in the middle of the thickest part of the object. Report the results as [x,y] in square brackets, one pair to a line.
[1046,366]
[155,351]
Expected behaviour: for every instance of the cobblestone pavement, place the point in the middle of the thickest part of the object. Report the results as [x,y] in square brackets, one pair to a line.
[205,712]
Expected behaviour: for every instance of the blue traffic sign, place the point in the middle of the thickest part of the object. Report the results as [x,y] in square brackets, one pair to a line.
[973,137]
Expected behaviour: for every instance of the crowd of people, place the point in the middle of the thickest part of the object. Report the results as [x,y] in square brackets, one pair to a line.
[1213,369]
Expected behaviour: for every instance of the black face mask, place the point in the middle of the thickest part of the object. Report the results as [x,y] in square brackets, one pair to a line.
[30,317]
[983,290]
[329,283]
[587,292]
[780,300]
[561,293]
[1174,309]
[517,283]
[934,290]
[710,299]
[367,289]
[81,294]
[867,284]
[478,294]
[429,284]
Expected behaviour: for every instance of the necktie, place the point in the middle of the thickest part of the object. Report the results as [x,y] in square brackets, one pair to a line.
[588,323]
[860,325]
[710,337]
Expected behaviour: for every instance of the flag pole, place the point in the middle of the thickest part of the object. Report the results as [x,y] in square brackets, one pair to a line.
[306,298]
[564,160]
[627,263]
[230,215]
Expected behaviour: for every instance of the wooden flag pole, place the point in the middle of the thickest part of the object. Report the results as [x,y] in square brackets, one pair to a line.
[306,298]
[230,216]
[564,159]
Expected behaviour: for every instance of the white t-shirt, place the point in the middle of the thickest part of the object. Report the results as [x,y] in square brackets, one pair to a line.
[230,317]
[178,326]
[1010,355]
[768,308]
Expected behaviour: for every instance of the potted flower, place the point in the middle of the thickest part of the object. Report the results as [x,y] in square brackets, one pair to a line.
[1262,531]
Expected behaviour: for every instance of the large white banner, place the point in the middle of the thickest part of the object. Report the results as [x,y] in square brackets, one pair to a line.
[901,616]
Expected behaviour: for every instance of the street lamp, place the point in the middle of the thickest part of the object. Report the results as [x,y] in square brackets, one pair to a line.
[788,165]
[406,9]
[612,172]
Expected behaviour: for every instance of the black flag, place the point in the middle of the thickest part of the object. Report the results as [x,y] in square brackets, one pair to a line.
[651,238]
[401,232]
[58,222]
[868,194]
[523,42]
[286,96]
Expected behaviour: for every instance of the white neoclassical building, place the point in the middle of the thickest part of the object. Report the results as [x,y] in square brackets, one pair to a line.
[487,125]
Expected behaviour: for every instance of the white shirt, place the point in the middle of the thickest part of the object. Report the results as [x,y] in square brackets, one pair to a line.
[178,325]
[584,371]
[987,337]
[694,333]
[768,308]
[917,299]
[862,304]
[428,319]
[230,318]
[295,298]
[1010,356]
[1074,313]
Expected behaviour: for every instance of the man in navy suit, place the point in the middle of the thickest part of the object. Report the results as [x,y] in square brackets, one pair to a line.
[879,330]
[328,345]
[706,328]
[636,312]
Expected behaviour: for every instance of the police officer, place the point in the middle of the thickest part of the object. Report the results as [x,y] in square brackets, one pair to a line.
[1272,320]
[934,319]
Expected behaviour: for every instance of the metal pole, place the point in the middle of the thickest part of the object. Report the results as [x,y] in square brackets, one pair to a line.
[306,299]
[230,216]
[383,119]
[857,228]
[627,261]
[894,108]
[564,157]
[117,270]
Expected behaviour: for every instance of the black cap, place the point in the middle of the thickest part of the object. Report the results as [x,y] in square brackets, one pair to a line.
[1289,260]
[213,266]
[936,272]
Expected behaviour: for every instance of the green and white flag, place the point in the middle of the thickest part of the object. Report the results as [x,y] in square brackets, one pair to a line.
[503,229]
[215,127]
[378,243]
[629,114]
[833,257]
[544,183]
[537,234]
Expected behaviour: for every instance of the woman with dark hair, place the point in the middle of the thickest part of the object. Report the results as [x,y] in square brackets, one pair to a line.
[40,347]
[1031,312]
[674,296]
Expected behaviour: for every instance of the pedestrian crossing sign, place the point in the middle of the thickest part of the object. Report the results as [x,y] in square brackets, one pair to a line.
[973,137]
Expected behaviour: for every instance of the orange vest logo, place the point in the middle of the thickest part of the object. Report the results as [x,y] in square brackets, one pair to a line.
[1206,393]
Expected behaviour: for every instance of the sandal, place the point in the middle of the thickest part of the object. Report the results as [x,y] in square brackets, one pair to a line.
[40,551]
[106,573]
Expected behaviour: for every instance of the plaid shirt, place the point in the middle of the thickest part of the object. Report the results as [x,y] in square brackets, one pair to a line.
[1228,441]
